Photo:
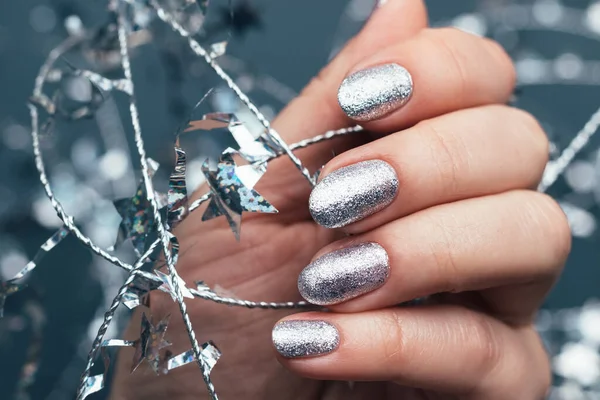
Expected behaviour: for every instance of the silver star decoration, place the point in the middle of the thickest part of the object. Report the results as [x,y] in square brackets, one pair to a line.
[136,213]
[167,286]
[151,342]
[138,291]
[255,150]
[233,193]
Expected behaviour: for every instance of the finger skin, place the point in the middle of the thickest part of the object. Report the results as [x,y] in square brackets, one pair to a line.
[499,241]
[445,348]
[464,154]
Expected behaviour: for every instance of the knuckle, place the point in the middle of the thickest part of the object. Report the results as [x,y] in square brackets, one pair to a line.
[534,372]
[446,41]
[461,48]
[484,342]
[560,230]
[448,154]
[501,57]
[544,380]
[549,218]
[389,330]
[447,270]
[533,129]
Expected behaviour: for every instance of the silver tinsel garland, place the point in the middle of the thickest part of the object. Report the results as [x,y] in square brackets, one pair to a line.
[147,218]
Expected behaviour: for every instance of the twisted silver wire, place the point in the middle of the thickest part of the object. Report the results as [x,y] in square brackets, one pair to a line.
[134,270]
[139,141]
[108,316]
[556,168]
[553,171]
[295,146]
[67,219]
[210,295]
[201,51]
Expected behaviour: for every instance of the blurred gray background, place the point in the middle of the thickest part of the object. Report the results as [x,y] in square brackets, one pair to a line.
[282,44]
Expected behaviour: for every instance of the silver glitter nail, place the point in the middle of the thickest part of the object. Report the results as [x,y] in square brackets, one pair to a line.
[375,92]
[353,193]
[344,274]
[304,338]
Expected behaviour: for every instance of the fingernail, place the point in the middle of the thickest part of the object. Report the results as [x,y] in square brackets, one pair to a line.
[375,92]
[305,338]
[353,193]
[344,274]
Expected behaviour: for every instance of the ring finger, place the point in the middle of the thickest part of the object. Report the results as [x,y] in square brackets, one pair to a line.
[499,241]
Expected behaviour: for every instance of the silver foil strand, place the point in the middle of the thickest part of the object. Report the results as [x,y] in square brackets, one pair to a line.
[88,384]
[52,242]
[202,52]
[126,66]
[556,168]
[108,316]
[177,195]
[552,173]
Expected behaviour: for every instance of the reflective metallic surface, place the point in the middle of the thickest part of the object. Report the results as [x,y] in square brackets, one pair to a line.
[352,193]
[296,338]
[344,274]
[375,92]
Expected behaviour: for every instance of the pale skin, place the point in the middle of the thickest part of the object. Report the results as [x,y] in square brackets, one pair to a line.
[466,228]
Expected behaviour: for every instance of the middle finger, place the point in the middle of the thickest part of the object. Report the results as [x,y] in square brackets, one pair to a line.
[464,154]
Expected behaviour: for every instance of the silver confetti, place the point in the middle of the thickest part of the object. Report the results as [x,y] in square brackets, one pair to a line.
[151,341]
[210,355]
[177,195]
[52,242]
[231,196]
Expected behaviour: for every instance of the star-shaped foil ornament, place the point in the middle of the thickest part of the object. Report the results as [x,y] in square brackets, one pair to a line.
[232,188]
[6,289]
[256,150]
[136,213]
[138,293]
[151,342]
[167,286]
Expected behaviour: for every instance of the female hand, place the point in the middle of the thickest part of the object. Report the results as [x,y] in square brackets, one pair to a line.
[438,203]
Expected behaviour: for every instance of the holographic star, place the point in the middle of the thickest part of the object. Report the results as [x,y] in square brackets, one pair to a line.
[233,193]
[167,286]
[6,289]
[138,291]
[136,213]
[151,342]
[256,151]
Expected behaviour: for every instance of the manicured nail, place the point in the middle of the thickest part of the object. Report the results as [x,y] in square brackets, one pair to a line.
[353,193]
[375,92]
[344,274]
[305,338]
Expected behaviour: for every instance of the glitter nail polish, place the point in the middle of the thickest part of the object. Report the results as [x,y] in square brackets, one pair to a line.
[375,92]
[305,338]
[344,274]
[352,193]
